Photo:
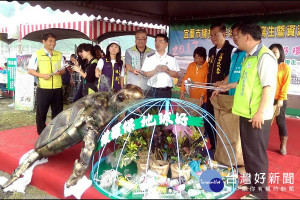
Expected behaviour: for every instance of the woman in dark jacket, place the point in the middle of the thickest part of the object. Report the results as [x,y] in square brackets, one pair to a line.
[89,82]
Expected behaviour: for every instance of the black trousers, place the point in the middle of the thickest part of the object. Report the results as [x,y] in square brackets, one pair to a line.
[280,119]
[254,145]
[78,94]
[44,99]
[162,92]
[210,123]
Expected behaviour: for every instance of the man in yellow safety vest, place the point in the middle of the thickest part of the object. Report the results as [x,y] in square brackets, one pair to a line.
[46,64]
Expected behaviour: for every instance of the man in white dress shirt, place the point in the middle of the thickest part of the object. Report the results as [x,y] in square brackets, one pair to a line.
[160,67]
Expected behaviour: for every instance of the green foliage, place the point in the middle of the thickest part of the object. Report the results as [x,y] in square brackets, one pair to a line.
[153,111]
[164,144]
[176,88]
[189,146]
[174,158]
[135,143]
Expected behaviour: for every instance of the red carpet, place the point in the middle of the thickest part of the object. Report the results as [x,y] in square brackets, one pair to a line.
[293,147]
[283,164]
[51,177]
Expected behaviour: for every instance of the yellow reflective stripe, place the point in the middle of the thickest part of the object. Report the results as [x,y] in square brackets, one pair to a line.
[113,77]
[90,91]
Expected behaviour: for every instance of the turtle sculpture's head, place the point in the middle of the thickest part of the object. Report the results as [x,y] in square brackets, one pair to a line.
[127,96]
[124,98]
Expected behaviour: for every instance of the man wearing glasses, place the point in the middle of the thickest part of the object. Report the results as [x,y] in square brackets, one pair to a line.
[134,59]
[258,83]
[219,59]
[160,67]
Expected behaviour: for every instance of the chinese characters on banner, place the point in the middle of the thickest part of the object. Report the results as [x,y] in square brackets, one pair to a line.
[166,118]
[24,85]
[11,73]
[185,37]
[278,31]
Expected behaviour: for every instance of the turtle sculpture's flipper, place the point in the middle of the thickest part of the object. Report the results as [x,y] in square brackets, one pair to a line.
[31,158]
[86,154]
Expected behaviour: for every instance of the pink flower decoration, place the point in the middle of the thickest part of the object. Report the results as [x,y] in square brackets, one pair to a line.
[176,129]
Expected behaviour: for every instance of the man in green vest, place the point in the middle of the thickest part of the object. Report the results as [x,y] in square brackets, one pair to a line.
[253,102]
[45,64]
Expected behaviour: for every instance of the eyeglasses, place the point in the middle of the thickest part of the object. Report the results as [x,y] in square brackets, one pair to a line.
[214,35]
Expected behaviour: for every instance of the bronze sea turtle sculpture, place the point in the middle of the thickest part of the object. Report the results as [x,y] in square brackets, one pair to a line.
[82,121]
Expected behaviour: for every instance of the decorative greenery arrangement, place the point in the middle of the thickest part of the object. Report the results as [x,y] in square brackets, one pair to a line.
[190,143]
[164,146]
[137,142]
[164,143]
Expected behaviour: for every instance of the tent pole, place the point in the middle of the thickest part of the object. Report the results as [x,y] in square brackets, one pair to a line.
[20,47]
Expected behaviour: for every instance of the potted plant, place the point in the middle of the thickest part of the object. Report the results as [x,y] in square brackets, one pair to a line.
[190,144]
[160,163]
[135,143]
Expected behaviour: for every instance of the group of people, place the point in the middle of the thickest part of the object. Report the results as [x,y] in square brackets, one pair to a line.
[248,72]
[151,70]
[258,78]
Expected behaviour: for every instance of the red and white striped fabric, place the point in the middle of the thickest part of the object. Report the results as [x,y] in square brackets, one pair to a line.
[101,27]
[3,29]
[82,26]
[93,29]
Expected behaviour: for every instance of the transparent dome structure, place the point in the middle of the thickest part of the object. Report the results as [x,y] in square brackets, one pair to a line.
[157,149]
